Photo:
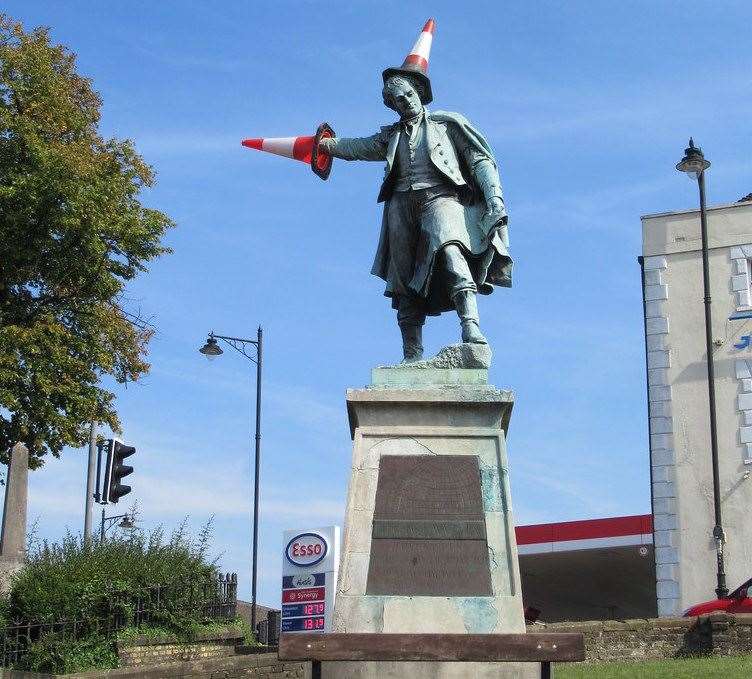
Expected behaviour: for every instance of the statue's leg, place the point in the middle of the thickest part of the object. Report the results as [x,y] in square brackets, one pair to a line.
[404,229]
[411,315]
[462,290]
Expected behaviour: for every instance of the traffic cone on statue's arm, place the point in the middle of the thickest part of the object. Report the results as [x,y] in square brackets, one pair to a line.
[304,149]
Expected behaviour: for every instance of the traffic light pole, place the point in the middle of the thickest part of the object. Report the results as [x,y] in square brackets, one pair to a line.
[108,489]
[90,482]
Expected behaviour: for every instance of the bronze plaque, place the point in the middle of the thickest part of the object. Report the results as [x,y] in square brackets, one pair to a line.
[429,530]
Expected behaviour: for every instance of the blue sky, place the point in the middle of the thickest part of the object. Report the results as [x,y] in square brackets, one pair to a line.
[588,106]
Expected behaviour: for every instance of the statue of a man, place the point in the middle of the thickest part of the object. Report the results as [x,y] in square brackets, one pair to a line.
[443,235]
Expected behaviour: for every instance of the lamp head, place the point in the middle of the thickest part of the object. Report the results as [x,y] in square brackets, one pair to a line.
[693,163]
[211,349]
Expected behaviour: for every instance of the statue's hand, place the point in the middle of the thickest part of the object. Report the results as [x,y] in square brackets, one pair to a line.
[494,210]
[326,144]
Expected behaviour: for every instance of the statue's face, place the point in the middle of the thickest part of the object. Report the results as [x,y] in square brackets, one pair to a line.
[405,97]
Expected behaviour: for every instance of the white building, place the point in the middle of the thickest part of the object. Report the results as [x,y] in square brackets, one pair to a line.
[682,488]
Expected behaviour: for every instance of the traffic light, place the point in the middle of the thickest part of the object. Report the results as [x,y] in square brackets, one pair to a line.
[116,470]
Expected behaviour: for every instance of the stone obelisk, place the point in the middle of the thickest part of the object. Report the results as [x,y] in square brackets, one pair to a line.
[13,540]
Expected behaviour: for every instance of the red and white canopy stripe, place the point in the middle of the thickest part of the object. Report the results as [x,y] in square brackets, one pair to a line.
[297,148]
[568,536]
[421,51]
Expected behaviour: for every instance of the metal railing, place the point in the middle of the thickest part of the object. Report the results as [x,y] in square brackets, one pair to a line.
[211,599]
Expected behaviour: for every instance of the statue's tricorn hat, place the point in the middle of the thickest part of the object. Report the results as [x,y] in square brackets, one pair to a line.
[415,66]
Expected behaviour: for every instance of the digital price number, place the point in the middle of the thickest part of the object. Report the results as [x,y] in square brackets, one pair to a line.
[303,624]
[300,610]
[313,623]
[314,609]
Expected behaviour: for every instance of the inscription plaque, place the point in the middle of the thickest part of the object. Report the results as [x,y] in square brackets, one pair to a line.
[429,530]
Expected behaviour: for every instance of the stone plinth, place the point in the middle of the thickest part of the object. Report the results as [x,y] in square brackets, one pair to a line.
[452,417]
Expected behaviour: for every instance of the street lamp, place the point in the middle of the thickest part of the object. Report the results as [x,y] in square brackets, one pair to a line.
[126,523]
[211,350]
[695,164]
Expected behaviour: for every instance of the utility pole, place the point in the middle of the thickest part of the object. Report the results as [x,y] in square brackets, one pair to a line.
[257,465]
[90,482]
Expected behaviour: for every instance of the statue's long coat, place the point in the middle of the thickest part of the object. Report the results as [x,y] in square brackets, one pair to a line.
[486,245]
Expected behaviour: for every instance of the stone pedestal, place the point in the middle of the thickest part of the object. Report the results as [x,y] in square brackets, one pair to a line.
[429,546]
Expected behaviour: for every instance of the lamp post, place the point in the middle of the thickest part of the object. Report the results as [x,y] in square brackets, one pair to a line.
[107,521]
[695,164]
[211,350]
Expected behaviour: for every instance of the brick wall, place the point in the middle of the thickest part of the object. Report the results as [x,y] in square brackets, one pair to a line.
[659,638]
[253,666]
[653,639]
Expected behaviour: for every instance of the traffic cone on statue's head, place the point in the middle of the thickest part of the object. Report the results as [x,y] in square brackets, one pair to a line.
[304,149]
[415,65]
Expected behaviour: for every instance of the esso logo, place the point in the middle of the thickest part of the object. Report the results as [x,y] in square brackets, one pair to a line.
[306,549]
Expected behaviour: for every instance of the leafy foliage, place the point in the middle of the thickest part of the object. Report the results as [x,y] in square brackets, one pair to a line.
[72,233]
[54,653]
[68,580]
[153,633]
[96,584]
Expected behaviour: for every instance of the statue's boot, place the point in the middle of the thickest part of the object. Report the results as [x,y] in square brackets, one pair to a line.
[412,342]
[467,309]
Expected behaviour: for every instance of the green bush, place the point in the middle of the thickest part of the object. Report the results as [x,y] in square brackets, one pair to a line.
[73,580]
[57,655]
[100,585]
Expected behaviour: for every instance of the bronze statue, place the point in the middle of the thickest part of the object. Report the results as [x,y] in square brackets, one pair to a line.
[444,230]
[443,235]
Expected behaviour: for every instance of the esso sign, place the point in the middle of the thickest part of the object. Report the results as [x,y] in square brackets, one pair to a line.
[306,549]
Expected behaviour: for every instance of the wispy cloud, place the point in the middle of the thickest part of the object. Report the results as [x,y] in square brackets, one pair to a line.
[305,406]
[566,486]
[174,491]
[530,110]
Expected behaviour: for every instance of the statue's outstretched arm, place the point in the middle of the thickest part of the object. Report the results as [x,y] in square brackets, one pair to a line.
[356,148]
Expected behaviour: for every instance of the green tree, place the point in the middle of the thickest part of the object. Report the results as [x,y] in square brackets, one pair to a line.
[73,232]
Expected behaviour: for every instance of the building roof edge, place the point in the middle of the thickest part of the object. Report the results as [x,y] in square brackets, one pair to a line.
[723,206]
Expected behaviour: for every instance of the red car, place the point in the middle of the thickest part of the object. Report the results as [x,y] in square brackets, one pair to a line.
[739,601]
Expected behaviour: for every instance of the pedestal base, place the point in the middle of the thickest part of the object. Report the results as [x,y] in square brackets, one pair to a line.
[437,421]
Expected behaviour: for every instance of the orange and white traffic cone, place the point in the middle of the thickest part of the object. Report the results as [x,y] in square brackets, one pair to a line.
[304,149]
[415,65]
[421,50]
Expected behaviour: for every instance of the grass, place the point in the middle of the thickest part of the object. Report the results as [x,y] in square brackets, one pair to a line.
[157,633]
[690,668]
